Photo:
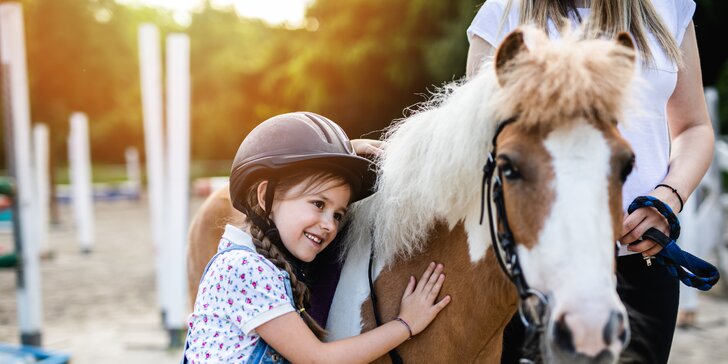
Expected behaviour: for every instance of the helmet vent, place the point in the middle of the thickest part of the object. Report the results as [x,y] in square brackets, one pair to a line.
[324,131]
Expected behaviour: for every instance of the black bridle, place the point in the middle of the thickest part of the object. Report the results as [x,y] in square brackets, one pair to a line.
[532,303]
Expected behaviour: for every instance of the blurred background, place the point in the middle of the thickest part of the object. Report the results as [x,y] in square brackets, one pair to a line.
[359,62]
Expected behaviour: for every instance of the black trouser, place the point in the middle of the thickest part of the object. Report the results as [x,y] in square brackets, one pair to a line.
[651,296]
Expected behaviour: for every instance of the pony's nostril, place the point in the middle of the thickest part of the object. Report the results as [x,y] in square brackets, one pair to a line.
[562,335]
[615,328]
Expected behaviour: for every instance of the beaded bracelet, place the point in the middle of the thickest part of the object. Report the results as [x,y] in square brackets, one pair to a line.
[673,191]
[406,325]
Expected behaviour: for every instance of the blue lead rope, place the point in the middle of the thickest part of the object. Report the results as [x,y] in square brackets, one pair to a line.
[691,270]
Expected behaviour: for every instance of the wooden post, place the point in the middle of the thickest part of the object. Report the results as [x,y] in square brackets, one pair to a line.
[151,84]
[42,183]
[81,180]
[178,151]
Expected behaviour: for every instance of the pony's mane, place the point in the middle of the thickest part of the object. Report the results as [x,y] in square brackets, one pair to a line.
[431,169]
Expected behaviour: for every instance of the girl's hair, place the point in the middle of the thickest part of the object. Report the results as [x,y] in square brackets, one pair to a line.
[267,245]
[607,18]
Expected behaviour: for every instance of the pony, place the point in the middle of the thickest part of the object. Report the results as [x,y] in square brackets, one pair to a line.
[551,108]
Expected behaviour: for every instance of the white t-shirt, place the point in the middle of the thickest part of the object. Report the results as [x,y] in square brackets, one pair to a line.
[240,291]
[644,123]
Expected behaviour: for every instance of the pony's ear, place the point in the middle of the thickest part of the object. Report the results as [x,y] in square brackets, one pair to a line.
[625,40]
[509,49]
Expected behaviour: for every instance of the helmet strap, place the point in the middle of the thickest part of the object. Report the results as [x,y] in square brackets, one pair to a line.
[269,194]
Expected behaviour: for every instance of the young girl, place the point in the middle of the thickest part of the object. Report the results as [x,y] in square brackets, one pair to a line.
[293,176]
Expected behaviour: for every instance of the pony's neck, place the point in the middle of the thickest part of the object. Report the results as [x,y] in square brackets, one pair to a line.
[483,301]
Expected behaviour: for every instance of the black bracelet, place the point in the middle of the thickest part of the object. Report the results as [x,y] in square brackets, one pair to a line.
[675,192]
[406,325]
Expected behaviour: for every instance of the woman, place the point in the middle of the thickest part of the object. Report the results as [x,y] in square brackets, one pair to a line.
[668,128]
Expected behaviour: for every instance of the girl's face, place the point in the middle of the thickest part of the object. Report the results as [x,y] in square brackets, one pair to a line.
[308,218]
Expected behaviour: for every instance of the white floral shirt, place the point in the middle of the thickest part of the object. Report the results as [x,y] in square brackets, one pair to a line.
[240,291]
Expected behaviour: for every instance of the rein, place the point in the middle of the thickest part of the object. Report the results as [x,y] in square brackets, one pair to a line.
[699,273]
[532,303]
[393,354]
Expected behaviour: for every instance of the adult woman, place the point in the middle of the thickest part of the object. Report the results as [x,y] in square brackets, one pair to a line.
[668,128]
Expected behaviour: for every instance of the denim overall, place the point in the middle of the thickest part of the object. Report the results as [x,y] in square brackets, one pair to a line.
[262,352]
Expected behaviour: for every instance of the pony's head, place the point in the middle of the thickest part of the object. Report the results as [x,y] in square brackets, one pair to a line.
[562,163]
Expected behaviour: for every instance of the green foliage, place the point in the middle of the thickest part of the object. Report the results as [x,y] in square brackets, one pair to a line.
[359,62]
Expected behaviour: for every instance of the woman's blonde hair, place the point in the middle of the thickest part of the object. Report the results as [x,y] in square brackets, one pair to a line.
[607,18]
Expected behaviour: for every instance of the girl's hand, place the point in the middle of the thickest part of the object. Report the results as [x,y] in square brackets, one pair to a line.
[364,147]
[637,223]
[418,307]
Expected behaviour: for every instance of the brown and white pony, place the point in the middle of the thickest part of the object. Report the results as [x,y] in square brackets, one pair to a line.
[563,163]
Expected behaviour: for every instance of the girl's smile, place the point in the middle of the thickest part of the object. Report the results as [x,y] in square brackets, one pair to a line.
[308,217]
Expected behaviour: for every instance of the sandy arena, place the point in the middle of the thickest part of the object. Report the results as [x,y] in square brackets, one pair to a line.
[101,308]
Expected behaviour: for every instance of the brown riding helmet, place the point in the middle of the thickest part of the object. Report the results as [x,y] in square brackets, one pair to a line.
[294,140]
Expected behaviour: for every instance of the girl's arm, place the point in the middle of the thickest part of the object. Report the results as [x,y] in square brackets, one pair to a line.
[691,136]
[290,336]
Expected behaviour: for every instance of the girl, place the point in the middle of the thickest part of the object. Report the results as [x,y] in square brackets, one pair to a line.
[670,133]
[293,177]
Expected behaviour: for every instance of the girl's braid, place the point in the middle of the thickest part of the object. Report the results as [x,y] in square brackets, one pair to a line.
[301,293]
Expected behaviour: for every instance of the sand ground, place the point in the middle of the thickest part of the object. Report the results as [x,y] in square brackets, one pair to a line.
[101,307]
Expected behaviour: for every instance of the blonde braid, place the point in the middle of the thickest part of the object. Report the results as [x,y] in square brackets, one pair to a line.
[301,293]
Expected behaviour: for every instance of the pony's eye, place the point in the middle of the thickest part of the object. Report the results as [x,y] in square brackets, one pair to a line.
[509,171]
[627,168]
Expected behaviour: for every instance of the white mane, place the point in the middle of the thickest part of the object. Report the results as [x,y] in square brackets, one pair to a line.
[431,170]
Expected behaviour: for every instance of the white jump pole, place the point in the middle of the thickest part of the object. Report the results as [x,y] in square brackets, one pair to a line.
[133,174]
[17,117]
[42,186]
[81,185]
[178,152]
[151,83]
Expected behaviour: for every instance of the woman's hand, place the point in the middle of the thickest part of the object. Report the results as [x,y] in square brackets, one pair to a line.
[641,220]
[368,147]
[418,306]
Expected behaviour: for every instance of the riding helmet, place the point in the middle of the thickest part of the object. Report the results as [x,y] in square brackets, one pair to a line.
[294,140]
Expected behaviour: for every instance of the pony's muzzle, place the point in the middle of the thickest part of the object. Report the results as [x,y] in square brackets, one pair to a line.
[575,342]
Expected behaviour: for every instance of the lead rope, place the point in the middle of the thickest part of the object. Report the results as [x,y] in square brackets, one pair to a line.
[689,269]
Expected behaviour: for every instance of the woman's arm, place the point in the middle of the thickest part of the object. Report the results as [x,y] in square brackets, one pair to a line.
[290,336]
[691,136]
[478,50]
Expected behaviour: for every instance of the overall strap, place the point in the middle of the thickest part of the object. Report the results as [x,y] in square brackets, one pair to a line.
[691,270]
[230,248]
[207,267]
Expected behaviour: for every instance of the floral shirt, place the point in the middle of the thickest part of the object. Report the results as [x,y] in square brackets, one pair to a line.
[240,291]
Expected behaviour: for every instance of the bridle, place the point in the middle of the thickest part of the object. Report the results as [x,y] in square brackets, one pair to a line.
[533,304]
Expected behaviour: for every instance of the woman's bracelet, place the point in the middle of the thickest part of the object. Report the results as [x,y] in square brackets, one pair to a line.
[673,191]
[405,325]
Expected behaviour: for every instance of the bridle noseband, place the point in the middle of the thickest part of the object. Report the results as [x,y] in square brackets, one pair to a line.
[532,303]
